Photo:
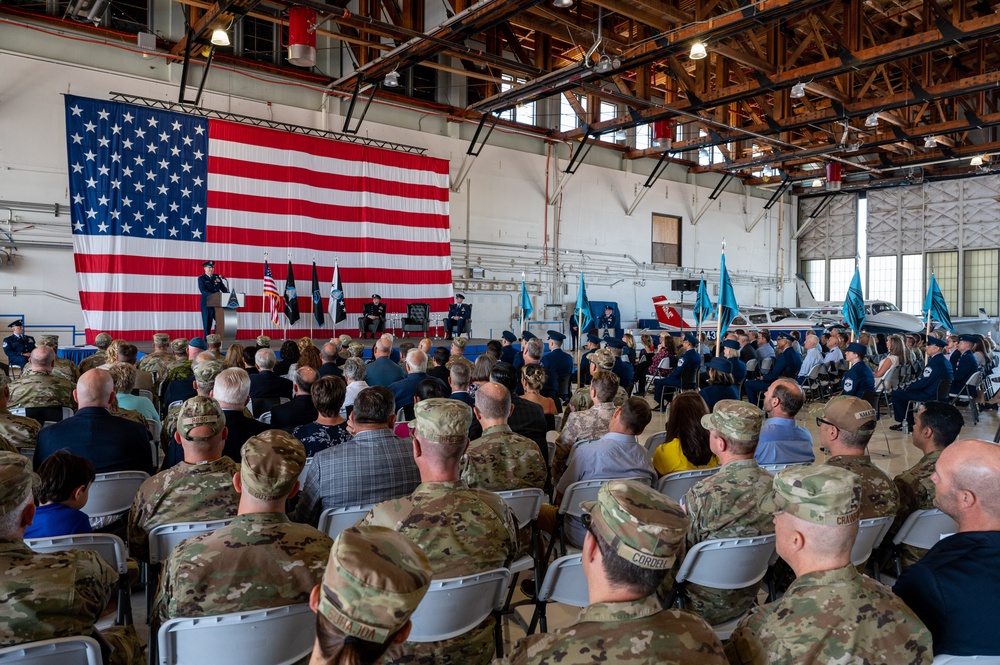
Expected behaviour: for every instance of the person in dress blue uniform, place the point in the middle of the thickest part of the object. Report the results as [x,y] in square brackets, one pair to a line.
[209,283]
[720,383]
[372,320]
[786,363]
[18,346]
[859,378]
[739,368]
[509,351]
[690,359]
[458,315]
[557,362]
[925,388]
[967,363]
[519,358]
[623,370]
[593,343]
[606,323]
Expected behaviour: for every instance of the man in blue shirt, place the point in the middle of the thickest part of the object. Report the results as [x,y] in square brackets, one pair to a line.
[858,379]
[812,358]
[782,440]
[925,388]
[691,360]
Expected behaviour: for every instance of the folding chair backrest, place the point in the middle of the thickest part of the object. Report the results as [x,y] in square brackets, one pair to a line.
[454,606]
[924,528]
[147,394]
[112,493]
[814,372]
[654,441]
[305,472]
[586,490]
[727,563]
[751,366]
[110,547]
[334,520]
[265,418]
[676,485]
[57,651]
[280,635]
[165,537]
[945,659]
[975,379]
[944,388]
[775,468]
[526,503]
[565,583]
[766,364]
[870,533]
[67,412]
[665,363]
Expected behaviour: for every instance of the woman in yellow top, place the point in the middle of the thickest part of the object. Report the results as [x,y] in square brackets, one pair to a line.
[686,448]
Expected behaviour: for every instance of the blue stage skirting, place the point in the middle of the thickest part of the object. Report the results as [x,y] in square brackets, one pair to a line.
[78,353]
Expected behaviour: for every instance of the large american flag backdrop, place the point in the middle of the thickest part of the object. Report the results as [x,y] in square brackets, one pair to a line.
[155,193]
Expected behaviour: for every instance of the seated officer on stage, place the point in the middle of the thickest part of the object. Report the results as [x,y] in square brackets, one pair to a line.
[18,346]
[606,322]
[859,378]
[458,315]
[925,388]
[372,320]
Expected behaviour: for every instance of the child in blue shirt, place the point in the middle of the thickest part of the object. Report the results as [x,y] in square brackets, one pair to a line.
[62,493]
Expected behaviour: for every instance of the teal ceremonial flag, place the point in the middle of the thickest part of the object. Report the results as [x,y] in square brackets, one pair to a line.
[854,305]
[583,307]
[935,308]
[526,308]
[728,309]
[703,307]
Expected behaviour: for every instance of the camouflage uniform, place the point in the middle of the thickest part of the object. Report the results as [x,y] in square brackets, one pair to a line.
[916,492]
[157,361]
[580,426]
[647,529]
[829,616]
[214,340]
[259,560]
[180,369]
[206,373]
[102,341]
[879,497]
[19,431]
[42,389]
[54,595]
[503,460]
[63,367]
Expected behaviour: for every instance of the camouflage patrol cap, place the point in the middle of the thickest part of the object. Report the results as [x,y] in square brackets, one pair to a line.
[102,341]
[581,399]
[356,349]
[16,480]
[207,370]
[821,494]
[344,340]
[374,580]
[213,340]
[643,526]
[603,358]
[161,339]
[200,411]
[442,420]
[851,414]
[51,341]
[459,342]
[264,341]
[735,419]
[272,462]
[179,345]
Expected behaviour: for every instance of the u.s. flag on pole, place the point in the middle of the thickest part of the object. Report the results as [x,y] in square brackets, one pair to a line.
[155,193]
[272,300]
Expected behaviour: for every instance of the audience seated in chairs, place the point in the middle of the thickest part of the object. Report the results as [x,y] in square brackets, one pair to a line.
[15,431]
[64,484]
[355,374]
[266,382]
[42,388]
[300,409]
[205,373]
[587,425]
[782,440]
[687,442]
[329,428]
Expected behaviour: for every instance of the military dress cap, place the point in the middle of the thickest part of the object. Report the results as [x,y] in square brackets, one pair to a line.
[374,580]
[442,420]
[459,296]
[615,343]
[556,335]
[858,348]
[603,358]
[198,343]
[200,411]
[51,341]
[272,462]
[460,342]
[609,308]
[213,340]
[691,339]
[643,526]
[851,414]
[593,339]
[731,344]
[936,341]
[179,345]
[263,341]
[526,335]
[376,296]
[735,419]
[721,365]
[207,370]
[821,494]
[103,340]
[509,336]
[208,264]
[784,335]
[16,480]
[16,324]
[161,338]
[971,339]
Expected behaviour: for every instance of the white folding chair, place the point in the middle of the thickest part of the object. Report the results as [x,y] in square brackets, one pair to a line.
[870,535]
[67,412]
[526,503]
[111,548]
[676,485]
[454,606]
[967,395]
[154,427]
[162,540]
[775,468]
[305,472]
[654,441]
[112,493]
[923,529]
[564,583]
[334,520]
[577,493]
[57,651]
[265,418]
[275,636]
[650,378]
[147,394]
[725,563]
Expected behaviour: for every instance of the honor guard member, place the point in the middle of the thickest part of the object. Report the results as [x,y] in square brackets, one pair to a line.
[18,346]
[209,283]
[526,337]
[691,361]
[925,388]
[787,363]
[623,370]
[731,348]
[557,362]
[157,362]
[372,320]
[509,351]
[633,538]
[967,363]
[831,613]
[593,344]
[606,322]
[858,379]
[458,315]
